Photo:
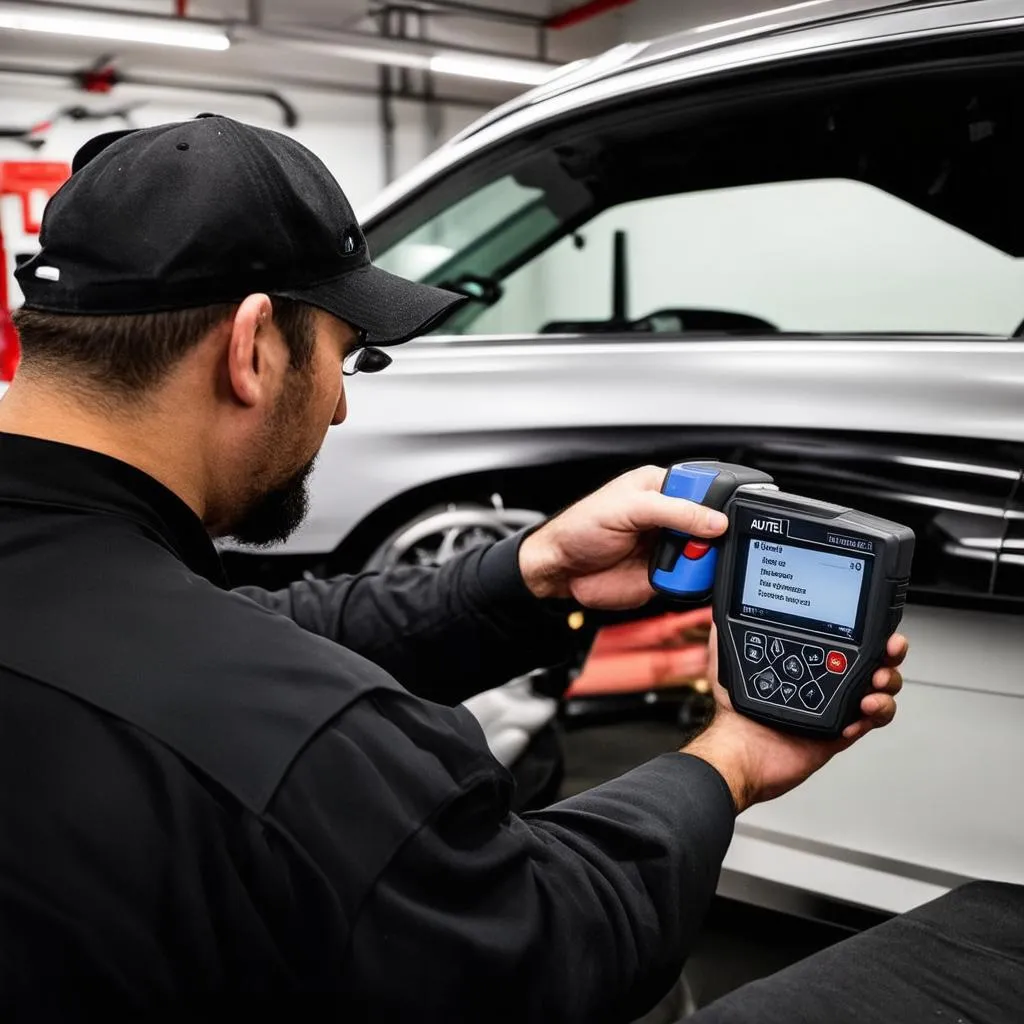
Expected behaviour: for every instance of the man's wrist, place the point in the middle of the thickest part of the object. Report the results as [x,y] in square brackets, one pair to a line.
[538,567]
[499,574]
[729,759]
[503,583]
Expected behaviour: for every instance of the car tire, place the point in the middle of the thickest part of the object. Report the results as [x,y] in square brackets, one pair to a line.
[442,531]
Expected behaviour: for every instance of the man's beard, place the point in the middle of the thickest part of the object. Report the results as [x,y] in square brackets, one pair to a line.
[276,514]
[272,514]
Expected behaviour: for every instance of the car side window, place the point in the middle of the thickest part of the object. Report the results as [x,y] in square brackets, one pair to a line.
[852,209]
[826,256]
[456,235]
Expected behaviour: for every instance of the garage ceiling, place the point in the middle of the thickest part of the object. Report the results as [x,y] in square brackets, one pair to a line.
[444,23]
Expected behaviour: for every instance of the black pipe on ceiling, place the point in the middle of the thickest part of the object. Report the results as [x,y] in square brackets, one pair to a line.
[289,114]
[468,10]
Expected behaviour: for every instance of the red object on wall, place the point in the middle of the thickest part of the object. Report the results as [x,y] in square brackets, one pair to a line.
[584,12]
[22,178]
[99,80]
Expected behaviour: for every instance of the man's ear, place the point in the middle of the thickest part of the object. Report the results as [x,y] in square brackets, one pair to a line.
[248,362]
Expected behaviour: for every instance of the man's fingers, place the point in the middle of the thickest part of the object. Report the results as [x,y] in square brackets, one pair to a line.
[647,478]
[652,511]
[858,729]
[888,680]
[896,650]
[621,587]
[878,708]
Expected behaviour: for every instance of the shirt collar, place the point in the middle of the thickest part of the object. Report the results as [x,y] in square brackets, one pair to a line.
[33,471]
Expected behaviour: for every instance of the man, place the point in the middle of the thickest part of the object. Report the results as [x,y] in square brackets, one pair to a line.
[223,799]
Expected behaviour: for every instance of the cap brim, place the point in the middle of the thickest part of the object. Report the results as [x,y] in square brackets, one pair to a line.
[389,309]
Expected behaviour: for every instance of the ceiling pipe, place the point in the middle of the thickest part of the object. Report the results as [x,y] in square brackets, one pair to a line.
[584,12]
[234,86]
[397,52]
[460,9]
[239,87]
[468,10]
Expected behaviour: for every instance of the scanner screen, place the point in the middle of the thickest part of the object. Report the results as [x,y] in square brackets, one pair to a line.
[790,583]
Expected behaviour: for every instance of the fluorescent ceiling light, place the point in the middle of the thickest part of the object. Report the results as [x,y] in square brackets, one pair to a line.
[495,69]
[115,28]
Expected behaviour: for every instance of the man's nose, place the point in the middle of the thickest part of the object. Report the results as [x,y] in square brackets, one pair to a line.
[340,410]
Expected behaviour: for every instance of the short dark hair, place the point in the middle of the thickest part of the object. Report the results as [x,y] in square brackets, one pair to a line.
[127,354]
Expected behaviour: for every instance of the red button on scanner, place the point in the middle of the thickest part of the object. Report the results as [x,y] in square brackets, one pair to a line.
[836,662]
[696,549]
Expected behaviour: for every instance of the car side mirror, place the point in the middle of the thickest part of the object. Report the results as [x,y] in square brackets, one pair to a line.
[483,290]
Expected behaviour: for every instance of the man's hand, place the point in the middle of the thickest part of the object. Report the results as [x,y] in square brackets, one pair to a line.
[597,551]
[759,763]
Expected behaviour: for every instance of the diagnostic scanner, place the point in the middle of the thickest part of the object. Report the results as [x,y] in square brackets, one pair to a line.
[805,594]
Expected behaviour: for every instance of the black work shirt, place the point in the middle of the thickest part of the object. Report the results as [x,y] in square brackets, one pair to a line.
[227,799]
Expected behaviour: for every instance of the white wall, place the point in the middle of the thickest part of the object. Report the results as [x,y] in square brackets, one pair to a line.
[344,131]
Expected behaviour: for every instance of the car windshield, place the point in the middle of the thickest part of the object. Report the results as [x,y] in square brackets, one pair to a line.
[865,211]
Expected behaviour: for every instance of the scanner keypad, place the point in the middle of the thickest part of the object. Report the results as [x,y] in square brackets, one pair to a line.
[780,670]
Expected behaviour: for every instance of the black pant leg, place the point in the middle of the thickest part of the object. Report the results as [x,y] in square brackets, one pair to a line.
[956,960]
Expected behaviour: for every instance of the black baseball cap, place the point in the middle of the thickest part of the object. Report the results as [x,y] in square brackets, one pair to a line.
[207,211]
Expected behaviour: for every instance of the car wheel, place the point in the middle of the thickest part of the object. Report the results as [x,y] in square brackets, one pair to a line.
[443,531]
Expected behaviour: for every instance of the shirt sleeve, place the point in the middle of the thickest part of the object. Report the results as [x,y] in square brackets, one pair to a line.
[582,913]
[444,633]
